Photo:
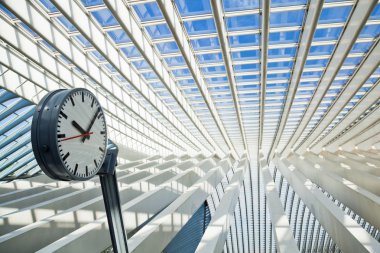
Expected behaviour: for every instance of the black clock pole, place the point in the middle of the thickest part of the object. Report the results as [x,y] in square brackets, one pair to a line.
[108,181]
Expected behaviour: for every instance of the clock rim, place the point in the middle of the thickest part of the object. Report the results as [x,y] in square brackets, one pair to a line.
[54,166]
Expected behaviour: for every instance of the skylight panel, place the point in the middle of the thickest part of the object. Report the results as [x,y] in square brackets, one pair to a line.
[193,7]
[175,61]
[205,43]
[142,64]
[97,55]
[118,36]
[49,6]
[247,78]
[213,70]
[89,3]
[282,52]
[209,58]
[282,3]
[283,37]
[280,65]
[29,30]
[334,14]
[167,47]
[321,50]
[325,34]
[286,18]
[244,40]
[131,51]
[362,47]
[181,72]
[216,80]
[233,5]
[66,24]
[159,31]
[316,63]
[104,18]
[245,55]
[352,61]
[375,13]
[203,26]
[238,23]
[246,67]
[83,41]
[370,31]
[148,11]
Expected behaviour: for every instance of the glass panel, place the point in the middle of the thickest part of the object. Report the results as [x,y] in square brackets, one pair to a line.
[327,34]
[92,2]
[175,61]
[131,51]
[334,14]
[119,36]
[159,31]
[206,43]
[83,41]
[316,63]
[48,5]
[167,47]
[370,31]
[213,70]
[200,26]
[361,47]
[286,18]
[244,40]
[67,24]
[233,5]
[283,37]
[280,65]
[246,67]
[193,7]
[321,50]
[245,55]
[104,17]
[375,13]
[242,22]
[207,58]
[148,11]
[280,3]
[282,52]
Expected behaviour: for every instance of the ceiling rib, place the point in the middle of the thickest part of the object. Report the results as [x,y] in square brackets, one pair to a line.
[263,67]
[364,104]
[78,17]
[311,22]
[217,10]
[173,21]
[358,18]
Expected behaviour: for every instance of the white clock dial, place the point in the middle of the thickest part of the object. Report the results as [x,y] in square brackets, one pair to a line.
[81,134]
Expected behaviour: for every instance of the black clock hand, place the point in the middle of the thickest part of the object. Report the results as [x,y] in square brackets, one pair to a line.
[78,127]
[92,123]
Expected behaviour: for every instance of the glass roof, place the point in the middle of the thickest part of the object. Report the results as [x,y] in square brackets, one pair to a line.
[191,83]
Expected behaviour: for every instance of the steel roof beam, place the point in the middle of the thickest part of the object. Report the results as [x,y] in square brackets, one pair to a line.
[311,22]
[217,10]
[173,21]
[88,28]
[364,71]
[358,19]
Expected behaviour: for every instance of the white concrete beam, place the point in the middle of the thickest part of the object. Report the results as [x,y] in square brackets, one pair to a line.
[218,15]
[285,241]
[364,71]
[346,233]
[177,29]
[361,201]
[215,236]
[315,7]
[357,20]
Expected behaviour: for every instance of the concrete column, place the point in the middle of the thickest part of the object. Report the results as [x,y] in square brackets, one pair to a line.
[285,241]
[216,233]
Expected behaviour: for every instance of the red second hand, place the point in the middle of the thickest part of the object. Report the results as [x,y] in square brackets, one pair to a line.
[77,136]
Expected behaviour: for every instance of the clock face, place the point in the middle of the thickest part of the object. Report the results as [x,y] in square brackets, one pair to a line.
[81,134]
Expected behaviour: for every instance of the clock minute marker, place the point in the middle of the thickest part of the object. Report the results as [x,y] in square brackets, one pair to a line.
[72,101]
[76,168]
[96,164]
[63,114]
[86,171]
[65,157]
[92,103]
[82,97]
[61,135]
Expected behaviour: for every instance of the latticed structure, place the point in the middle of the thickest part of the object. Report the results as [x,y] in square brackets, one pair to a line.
[243,125]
